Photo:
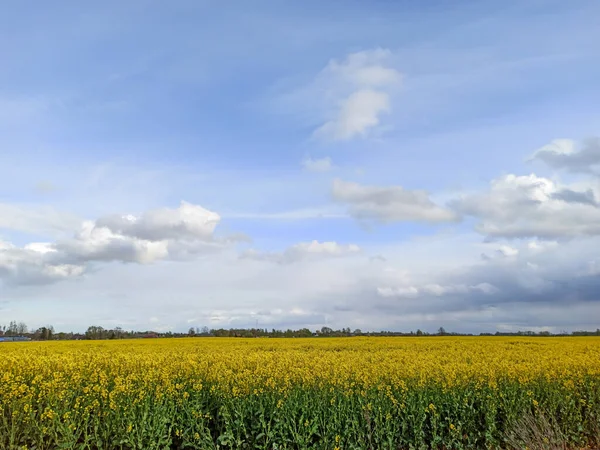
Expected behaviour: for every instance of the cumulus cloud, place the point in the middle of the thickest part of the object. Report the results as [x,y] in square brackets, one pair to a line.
[154,235]
[33,264]
[360,88]
[317,165]
[314,250]
[99,243]
[562,154]
[186,222]
[179,233]
[389,203]
[531,206]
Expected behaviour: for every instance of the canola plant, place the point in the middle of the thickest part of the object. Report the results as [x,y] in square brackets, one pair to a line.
[329,393]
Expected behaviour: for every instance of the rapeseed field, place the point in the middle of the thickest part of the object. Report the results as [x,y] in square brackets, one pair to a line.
[321,393]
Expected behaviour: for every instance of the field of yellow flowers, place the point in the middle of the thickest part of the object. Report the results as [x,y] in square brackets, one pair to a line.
[329,393]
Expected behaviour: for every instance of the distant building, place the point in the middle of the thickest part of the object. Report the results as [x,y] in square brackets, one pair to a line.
[14,338]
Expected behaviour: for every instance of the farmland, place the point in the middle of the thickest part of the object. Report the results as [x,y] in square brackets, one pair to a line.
[330,393]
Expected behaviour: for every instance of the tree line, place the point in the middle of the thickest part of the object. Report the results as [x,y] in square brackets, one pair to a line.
[95,332]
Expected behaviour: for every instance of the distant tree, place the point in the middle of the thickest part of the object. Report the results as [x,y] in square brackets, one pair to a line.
[326,331]
[44,333]
[304,332]
[12,328]
[95,332]
[21,328]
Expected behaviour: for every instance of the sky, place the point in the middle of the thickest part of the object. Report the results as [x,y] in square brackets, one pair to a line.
[382,165]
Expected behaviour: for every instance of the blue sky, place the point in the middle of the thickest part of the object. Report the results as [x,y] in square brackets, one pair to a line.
[360,158]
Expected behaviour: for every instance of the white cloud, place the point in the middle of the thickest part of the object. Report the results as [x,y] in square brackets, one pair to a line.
[409,292]
[100,243]
[508,251]
[317,165]
[556,147]
[518,249]
[40,247]
[180,233]
[389,203]
[532,206]
[540,246]
[186,222]
[154,235]
[305,251]
[33,264]
[562,154]
[436,290]
[359,91]
[323,248]
[358,113]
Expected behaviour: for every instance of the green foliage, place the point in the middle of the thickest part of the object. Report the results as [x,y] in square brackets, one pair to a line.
[326,417]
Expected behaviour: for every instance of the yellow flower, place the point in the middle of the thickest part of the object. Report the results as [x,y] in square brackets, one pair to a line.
[70,384]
